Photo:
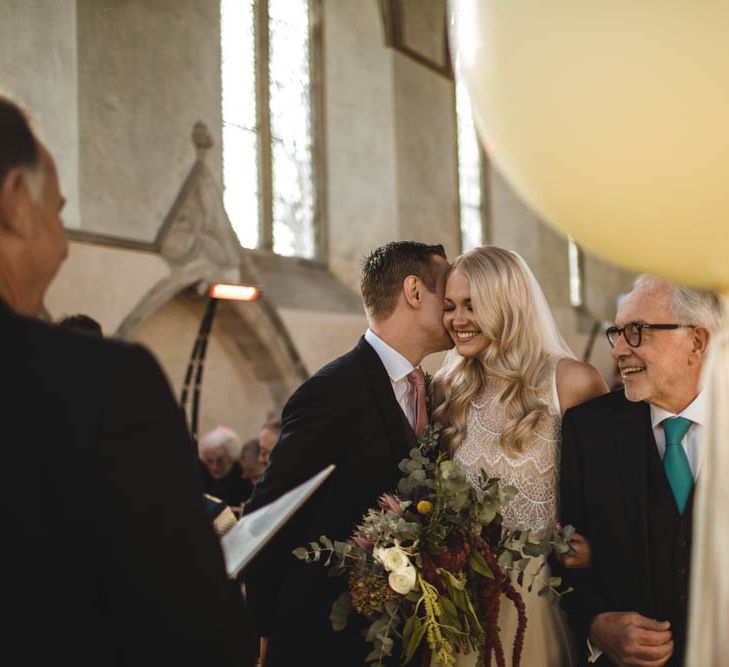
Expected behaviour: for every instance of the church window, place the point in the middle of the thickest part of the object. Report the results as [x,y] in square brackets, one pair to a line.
[471,165]
[268,142]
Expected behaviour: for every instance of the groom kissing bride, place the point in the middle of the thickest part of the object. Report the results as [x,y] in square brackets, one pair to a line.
[501,397]
[359,412]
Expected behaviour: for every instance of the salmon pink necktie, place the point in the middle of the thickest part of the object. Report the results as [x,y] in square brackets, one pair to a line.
[416,378]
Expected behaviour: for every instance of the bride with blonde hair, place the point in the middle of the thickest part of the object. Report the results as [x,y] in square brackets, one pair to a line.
[502,392]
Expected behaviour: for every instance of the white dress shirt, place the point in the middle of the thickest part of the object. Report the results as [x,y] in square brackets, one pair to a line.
[397,368]
[696,412]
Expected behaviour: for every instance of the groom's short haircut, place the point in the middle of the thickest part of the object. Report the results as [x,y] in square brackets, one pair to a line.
[387,267]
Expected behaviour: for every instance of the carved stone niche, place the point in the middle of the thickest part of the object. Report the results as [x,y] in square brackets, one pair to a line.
[197,226]
[200,246]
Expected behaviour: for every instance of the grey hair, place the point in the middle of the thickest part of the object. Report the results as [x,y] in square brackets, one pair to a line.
[222,437]
[691,306]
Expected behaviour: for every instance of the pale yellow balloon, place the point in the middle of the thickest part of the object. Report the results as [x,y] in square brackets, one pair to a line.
[611,118]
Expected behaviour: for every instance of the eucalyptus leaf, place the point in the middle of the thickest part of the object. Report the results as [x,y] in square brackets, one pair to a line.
[301,553]
[568,532]
[375,654]
[341,609]
[376,628]
[505,560]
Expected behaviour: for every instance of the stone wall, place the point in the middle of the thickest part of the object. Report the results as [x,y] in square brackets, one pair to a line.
[116,86]
[147,71]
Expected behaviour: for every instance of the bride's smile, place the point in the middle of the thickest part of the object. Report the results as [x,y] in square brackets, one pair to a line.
[458,317]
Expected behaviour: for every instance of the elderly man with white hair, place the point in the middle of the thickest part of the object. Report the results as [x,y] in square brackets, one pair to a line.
[630,460]
[220,450]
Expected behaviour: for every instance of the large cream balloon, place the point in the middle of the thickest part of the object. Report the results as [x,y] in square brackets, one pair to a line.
[611,118]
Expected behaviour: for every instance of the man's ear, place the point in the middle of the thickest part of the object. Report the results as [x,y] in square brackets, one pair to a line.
[411,288]
[700,340]
[13,201]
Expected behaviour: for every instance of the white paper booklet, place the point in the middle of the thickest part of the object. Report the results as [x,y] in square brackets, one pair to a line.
[246,538]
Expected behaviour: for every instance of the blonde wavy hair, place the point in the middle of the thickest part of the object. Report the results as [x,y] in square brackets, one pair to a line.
[512,313]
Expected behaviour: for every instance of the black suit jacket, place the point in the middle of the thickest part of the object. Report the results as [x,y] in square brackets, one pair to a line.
[108,556]
[603,494]
[345,414]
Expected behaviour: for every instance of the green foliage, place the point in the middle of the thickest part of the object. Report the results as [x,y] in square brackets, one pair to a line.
[341,609]
[440,539]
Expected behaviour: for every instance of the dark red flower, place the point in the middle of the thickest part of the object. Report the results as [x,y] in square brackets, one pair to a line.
[454,555]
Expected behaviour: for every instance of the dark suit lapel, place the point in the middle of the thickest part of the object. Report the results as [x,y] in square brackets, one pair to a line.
[633,430]
[384,398]
[411,440]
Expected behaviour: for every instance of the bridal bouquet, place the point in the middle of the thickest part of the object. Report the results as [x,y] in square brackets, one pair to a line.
[431,563]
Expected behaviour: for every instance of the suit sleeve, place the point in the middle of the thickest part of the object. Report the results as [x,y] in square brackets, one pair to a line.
[584,602]
[164,577]
[313,432]
[309,441]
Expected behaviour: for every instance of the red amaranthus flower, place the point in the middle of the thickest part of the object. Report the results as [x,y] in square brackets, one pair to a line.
[430,572]
[454,556]
[490,595]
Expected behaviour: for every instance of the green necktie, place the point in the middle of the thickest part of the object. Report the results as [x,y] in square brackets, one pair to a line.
[675,462]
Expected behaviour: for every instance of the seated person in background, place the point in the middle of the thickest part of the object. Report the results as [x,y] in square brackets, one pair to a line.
[267,439]
[222,516]
[223,478]
[249,460]
[82,324]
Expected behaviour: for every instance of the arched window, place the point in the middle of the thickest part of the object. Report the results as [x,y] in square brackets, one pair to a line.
[268,142]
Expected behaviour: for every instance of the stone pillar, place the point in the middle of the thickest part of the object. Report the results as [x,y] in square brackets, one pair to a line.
[391,137]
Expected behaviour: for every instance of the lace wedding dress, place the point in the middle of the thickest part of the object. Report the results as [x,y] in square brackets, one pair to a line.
[534,472]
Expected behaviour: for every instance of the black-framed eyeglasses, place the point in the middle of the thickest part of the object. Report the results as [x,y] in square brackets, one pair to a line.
[633,331]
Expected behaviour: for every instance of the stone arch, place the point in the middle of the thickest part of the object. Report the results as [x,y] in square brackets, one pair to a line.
[256,329]
[200,246]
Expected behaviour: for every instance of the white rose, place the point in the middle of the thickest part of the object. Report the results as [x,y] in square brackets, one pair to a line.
[403,580]
[392,559]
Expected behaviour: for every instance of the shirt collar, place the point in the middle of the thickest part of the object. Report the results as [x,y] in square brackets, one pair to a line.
[695,411]
[395,364]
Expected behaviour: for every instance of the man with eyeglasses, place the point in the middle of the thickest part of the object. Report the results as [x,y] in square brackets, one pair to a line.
[629,463]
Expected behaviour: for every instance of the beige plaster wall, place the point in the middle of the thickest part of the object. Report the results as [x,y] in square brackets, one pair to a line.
[103,282]
[360,126]
[231,395]
[147,71]
[38,70]
[320,337]
[427,158]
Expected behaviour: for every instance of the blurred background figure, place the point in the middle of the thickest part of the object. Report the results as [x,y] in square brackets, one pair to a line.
[220,450]
[83,324]
[267,439]
[249,460]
